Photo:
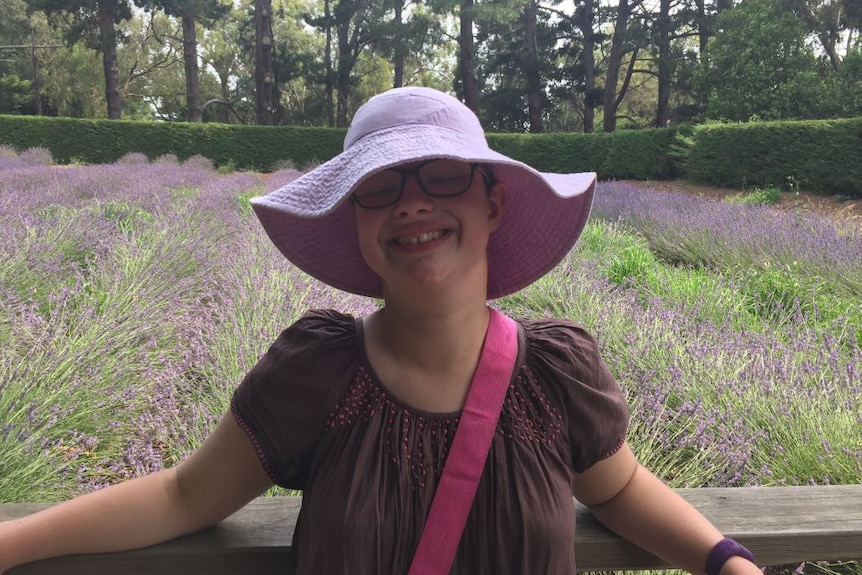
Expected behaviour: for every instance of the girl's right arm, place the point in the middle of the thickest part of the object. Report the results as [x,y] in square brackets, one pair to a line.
[215,481]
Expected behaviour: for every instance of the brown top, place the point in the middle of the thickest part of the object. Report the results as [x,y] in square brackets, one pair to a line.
[368,464]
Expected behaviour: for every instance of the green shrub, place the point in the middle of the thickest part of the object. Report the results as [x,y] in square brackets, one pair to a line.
[628,154]
[106,141]
[820,155]
[768,196]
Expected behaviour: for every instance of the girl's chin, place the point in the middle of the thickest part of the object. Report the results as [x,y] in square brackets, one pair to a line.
[426,285]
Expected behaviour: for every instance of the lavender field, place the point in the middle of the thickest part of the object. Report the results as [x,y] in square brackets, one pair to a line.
[134,296]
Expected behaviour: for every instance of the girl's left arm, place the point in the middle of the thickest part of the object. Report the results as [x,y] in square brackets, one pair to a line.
[628,499]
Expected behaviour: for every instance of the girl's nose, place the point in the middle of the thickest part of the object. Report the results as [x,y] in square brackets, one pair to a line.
[413,199]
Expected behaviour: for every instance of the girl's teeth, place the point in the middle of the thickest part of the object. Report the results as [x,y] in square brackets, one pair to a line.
[427,237]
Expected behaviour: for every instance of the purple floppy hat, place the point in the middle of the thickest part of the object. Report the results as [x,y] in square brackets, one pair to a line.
[311,222]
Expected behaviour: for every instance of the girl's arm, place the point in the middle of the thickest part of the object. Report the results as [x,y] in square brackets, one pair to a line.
[216,480]
[628,499]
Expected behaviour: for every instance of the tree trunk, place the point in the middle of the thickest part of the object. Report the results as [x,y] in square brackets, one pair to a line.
[588,58]
[37,82]
[108,40]
[190,59]
[330,107]
[535,97]
[224,82]
[351,37]
[614,62]
[702,26]
[665,65]
[263,76]
[400,48]
[829,42]
[342,78]
[467,57]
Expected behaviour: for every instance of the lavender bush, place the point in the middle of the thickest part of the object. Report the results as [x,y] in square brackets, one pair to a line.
[134,297]
[781,263]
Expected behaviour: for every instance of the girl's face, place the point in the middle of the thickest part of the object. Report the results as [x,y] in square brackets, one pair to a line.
[421,241]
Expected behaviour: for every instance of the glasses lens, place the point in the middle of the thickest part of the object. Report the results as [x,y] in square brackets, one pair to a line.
[381,189]
[446,177]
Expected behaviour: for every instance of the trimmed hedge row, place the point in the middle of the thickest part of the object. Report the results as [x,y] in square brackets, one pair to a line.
[820,155]
[630,154]
[106,141]
[823,155]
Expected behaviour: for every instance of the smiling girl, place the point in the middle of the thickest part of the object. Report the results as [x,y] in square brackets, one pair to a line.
[362,413]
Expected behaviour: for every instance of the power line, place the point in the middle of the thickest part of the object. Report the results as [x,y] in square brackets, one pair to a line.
[31,46]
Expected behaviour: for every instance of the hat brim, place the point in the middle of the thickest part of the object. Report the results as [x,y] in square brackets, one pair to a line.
[311,222]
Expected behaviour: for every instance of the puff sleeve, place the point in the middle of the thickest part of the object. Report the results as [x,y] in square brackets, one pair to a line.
[565,356]
[283,402]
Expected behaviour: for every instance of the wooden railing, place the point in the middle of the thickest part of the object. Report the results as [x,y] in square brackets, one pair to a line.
[781,525]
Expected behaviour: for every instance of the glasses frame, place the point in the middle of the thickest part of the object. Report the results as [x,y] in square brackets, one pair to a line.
[404,172]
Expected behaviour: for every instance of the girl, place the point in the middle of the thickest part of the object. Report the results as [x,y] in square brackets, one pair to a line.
[360,413]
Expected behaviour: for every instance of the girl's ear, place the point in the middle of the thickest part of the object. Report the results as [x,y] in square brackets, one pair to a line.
[496,202]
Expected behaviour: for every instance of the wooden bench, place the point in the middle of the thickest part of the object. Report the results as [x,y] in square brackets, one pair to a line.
[781,525]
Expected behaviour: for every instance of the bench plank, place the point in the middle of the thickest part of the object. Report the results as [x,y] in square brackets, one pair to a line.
[781,525]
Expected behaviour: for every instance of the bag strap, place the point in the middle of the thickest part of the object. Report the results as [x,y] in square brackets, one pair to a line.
[469,451]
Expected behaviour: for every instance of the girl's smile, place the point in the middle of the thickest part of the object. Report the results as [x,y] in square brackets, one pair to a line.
[429,240]
[419,239]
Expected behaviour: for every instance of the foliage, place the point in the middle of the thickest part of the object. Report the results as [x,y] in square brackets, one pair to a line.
[109,307]
[134,298]
[817,155]
[783,264]
[821,155]
[553,153]
[246,147]
[765,59]
[759,65]
[642,154]
[14,92]
[762,196]
[848,80]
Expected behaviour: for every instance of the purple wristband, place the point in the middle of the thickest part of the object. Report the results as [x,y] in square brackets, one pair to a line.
[724,550]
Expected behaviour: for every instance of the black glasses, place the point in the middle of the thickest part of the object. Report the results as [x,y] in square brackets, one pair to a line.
[441,178]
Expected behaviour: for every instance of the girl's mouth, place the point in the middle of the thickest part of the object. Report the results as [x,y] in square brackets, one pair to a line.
[420,239]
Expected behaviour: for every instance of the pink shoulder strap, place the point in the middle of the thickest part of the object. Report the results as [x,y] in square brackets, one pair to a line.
[469,451]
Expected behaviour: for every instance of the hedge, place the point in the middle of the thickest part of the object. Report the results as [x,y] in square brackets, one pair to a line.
[821,155]
[105,141]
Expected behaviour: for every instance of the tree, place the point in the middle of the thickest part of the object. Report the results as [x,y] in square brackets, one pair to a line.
[584,20]
[625,40]
[190,12]
[852,14]
[264,80]
[147,61]
[351,21]
[93,22]
[17,75]
[518,65]
[532,70]
[828,21]
[352,37]
[406,37]
[152,76]
[665,64]
[759,65]
[467,56]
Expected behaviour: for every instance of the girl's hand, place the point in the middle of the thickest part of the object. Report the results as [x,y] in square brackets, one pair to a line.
[636,505]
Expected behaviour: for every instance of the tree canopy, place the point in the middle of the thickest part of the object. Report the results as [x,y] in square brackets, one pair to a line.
[523,65]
